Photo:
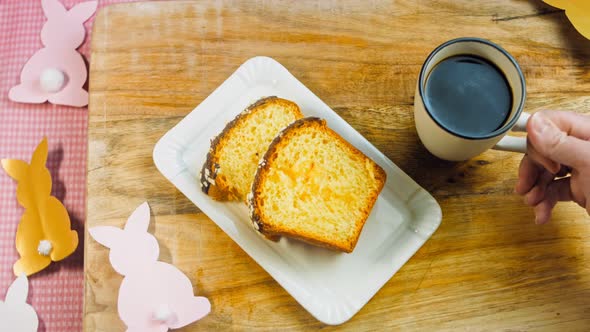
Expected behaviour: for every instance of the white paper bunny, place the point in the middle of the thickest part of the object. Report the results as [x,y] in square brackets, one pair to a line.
[154,296]
[15,313]
[57,72]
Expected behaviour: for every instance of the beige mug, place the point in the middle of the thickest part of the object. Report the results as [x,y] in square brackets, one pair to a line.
[448,144]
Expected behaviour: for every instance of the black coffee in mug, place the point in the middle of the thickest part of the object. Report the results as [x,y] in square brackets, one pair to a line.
[468,96]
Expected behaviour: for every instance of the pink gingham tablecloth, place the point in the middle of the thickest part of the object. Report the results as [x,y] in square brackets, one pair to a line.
[57,292]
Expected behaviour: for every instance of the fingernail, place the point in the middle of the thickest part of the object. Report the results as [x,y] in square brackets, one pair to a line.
[537,221]
[541,124]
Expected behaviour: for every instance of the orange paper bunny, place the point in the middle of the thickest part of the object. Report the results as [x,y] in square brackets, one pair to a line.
[43,234]
[578,12]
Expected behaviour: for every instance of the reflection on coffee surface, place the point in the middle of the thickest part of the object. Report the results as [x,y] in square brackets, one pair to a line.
[468,96]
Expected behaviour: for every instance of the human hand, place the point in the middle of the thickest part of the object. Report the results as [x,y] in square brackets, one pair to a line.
[558,145]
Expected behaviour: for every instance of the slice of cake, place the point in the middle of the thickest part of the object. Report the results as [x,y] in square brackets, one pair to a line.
[234,154]
[314,186]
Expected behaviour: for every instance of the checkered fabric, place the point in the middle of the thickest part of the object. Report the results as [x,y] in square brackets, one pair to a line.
[57,292]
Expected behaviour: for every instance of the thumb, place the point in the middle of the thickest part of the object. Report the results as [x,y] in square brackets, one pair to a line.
[554,143]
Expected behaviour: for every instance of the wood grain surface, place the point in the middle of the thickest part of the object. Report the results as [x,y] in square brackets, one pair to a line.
[488,267]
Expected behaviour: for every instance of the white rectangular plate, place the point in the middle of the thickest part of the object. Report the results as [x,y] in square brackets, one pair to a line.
[331,286]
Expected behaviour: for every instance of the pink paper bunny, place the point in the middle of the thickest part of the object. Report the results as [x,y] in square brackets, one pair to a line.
[154,296]
[15,313]
[57,72]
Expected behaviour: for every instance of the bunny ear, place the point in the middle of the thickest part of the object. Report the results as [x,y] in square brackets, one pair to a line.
[16,169]
[18,291]
[139,221]
[52,8]
[40,155]
[83,11]
[106,235]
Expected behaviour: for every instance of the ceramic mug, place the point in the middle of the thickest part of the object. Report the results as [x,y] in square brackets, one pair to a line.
[448,144]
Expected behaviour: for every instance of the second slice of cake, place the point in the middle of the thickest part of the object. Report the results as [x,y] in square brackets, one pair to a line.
[314,186]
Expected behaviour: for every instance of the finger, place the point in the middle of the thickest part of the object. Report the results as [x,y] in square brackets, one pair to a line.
[550,165]
[528,173]
[538,192]
[573,124]
[558,190]
[543,211]
[553,143]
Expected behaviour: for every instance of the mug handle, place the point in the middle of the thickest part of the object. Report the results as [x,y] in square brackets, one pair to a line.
[511,143]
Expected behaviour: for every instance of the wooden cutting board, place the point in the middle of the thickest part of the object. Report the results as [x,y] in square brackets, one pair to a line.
[488,267]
